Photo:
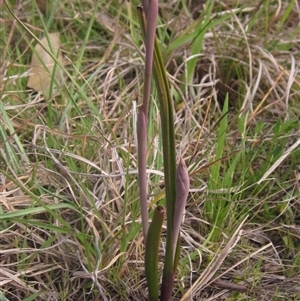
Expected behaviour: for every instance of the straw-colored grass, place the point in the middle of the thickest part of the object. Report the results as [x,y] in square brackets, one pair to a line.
[70,225]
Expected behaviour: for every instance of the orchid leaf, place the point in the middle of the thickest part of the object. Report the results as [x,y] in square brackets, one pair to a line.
[151,253]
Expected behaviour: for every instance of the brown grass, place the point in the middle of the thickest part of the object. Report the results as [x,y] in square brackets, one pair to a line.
[93,166]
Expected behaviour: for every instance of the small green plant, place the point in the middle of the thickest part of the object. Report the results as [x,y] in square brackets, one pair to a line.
[176,180]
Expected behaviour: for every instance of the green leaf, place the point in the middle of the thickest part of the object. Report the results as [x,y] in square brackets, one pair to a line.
[35,210]
[151,253]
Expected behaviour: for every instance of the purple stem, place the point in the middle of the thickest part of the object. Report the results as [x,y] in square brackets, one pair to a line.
[151,12]
[142,174]
[151,16]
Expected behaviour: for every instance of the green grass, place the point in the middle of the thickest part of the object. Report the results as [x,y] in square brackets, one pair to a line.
[69,215]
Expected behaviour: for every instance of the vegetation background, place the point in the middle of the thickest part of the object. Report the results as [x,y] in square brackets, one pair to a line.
[70,225]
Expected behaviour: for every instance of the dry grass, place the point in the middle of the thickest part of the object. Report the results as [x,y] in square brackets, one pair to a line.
[70,226]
